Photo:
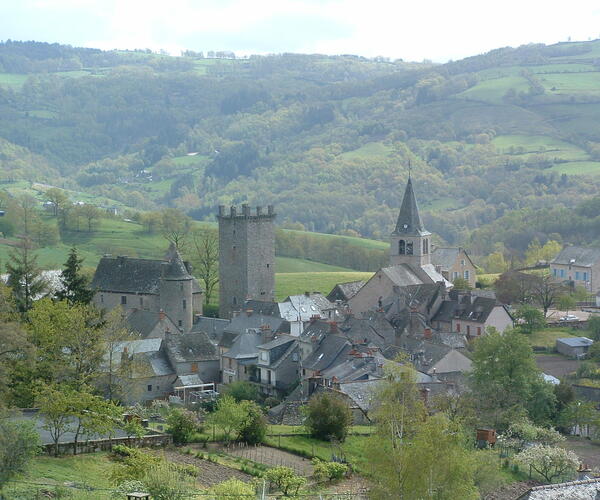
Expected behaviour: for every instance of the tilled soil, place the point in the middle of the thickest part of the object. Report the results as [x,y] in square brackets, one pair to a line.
[209,473]
[272,457]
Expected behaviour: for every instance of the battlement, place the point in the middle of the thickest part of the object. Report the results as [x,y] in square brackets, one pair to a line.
[246,212]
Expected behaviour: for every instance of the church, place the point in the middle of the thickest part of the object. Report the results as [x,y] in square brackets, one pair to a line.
[410,260]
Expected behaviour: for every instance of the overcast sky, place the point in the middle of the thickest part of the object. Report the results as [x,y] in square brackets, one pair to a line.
[420,29]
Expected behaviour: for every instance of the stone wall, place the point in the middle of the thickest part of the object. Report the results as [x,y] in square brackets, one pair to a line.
[92,446]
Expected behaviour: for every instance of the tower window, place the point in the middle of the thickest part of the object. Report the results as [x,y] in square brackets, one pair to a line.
[123,300]
[181,287]
[184,304]
[141,301]
[401,247]
[409,248]
[424,247]
[179,323]
[234,301]
[102,295]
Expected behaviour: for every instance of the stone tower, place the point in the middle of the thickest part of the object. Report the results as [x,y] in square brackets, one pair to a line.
[410,241]
[176,292]
[246,257]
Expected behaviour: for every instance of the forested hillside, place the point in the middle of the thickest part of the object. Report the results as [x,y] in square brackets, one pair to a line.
[504,146]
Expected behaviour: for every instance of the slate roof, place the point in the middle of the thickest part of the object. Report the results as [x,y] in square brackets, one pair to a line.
[447,311]
[146,355]
[427,355]
[576,341]
[190,347]
[245,346]
[144,322]
[316,329]
[345,291]
[409,220]
[330,348]
[373,329]
[586,489]
[578,256]
[307,306]
[478,311]
[213,327]
[444,257]
[189,380]
[243,322]
[262,307]
[401,275]
[127,275]
[280,348]
[361,392]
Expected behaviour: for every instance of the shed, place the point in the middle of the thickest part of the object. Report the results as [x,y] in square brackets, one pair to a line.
[574,347]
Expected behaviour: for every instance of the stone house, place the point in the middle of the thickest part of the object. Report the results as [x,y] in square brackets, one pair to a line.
[343,292]
[278,365]
[193,354]
[453,263]
[238,362]
[574,347]
[148,284]
[579,266]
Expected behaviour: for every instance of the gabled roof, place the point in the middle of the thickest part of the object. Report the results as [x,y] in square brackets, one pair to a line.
[445,257]
[144,322]
[401,275]
[326,354]
[372,329]
[316,330]
[264,307]
[427,355]
[577,256]
[213,327]
[189,380]
[409,220]
[246,321]
[478,311]
[306,306]
[190,347]
[345,291]
[279,349]
[245,346]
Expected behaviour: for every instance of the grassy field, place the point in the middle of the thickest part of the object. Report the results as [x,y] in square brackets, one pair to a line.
[547,337]
[84,472]
[297,283]
[577,168]
[493,90]
[12,80]
[368,151]
[524,145]
[351,240]
[289,265]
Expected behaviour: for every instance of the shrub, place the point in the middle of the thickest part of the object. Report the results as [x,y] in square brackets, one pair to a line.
[285,480]
[329,470]
[182,425]
[162,482]
[120,450]
[328,417]
[270,402]
[243,391]
[254,428]
[233,489]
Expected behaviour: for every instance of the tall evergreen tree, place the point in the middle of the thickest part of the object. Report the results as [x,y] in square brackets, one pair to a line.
[24,276]
[76,288]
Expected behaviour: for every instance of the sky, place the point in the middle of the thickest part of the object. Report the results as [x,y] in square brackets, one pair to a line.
[438,30]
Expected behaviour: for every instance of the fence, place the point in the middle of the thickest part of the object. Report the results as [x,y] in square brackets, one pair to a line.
[105,444]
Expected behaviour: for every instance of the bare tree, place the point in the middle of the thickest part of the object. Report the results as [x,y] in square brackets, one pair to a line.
[206,260]
[90,213]
[176,227]
[546,291]
[58,198]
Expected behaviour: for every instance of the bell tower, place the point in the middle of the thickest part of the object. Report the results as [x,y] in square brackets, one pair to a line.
[410,242]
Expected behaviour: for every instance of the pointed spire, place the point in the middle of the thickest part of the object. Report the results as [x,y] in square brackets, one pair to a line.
[409,220]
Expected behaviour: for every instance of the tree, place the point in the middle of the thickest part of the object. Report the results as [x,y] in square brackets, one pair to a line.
[503,365]
[27,207]
[285,480]
[254,427]
[566,303]
[15,351]
[461,284]
[55,407]
[545,291]
[92,415]
[434,462]
[579,414]
[514,288]
[549,462]
[328,470]
[164,482]
[229,416]
[90,213]
[328,417]
[19,443]
[76,288]
[242,390]
[206,261]
[176,227]
[530,318]
[58,198]
[182,425]
[24,276]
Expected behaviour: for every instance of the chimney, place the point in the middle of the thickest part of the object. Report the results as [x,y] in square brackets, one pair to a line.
[266,333]
[333,327]
[427,333]
[161,315]
[314,318]
[249,312]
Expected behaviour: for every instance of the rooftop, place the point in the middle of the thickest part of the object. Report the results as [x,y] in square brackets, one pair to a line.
[577,256]
[576,341]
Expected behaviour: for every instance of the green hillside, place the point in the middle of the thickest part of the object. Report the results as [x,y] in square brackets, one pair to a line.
[327,140]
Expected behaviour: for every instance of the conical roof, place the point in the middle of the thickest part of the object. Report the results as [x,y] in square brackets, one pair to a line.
[409,220]
[175,267]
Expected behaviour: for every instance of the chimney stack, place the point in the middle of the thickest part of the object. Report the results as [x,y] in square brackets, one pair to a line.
[427,333]
[161,315]
[266,333]
[333,327]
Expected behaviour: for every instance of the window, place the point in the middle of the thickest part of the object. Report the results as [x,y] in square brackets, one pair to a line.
[141,301]
[264,356]
[295,356]
[458,327]
[478,330]
[424,247]
[303,371]
[462,262]
[194,368]
[268,265]
[149,387]
[123,300]
[179,323]
[555,272]
[234,301]
[585,276]
[562,273]
[268,376]
[466,274]
[401,247]
[455,275]
[468,330]
[184,304]
[577,275]
[229,360]
[102,298]
[181,287]
[409,248]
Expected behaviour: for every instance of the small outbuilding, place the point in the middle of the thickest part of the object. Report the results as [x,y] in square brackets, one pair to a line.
[574,347]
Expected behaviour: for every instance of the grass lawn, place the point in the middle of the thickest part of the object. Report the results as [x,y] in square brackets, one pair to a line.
[275,430]
[547,337]
[577,168]
[350,240]
[493,90]
[291,265]
[571,83]
[89,470]
[368,151]
[488,279]
[297,283]
[13,80]
[538,144]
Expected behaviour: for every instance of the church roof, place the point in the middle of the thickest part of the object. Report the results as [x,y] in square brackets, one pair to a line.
[409,220]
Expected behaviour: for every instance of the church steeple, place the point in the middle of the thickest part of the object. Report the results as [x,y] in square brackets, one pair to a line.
[410,239]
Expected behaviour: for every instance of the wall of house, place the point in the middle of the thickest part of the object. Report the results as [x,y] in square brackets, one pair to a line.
[368,296]
[110,300]
[587,277]
[198,303]
[176,300]
[138,391]
[460,265]
[207,370]
[499,319]
[572,352]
